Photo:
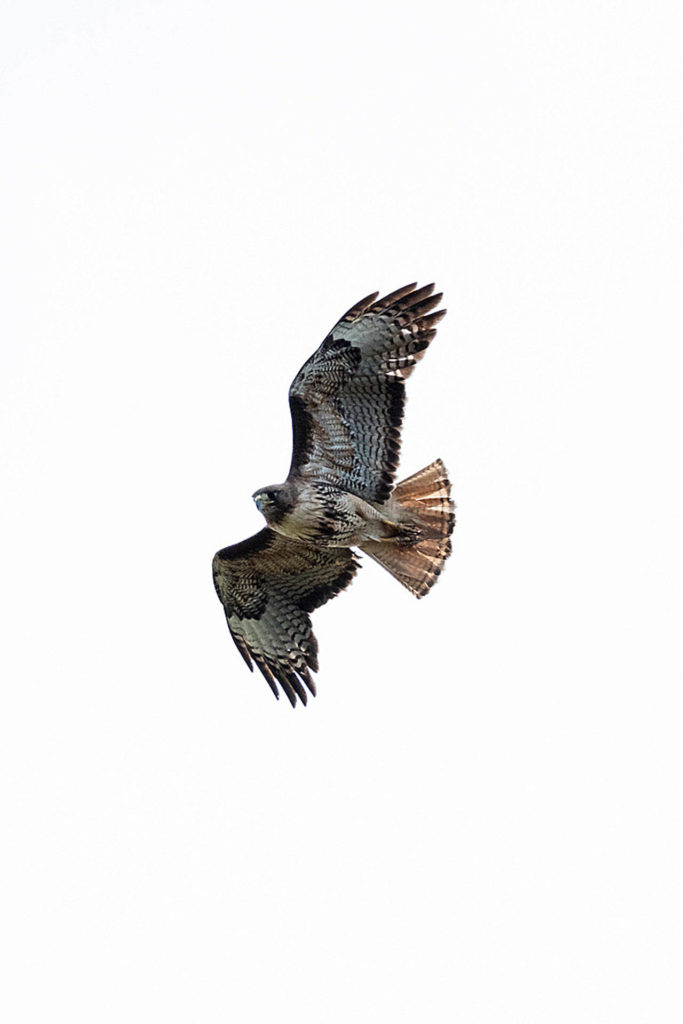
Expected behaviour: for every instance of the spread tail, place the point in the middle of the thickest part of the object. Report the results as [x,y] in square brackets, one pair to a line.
[424,515]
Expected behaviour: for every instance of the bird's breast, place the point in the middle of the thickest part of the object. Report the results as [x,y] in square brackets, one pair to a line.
[324,515]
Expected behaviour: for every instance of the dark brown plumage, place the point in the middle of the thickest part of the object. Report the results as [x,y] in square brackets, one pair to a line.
[347,405]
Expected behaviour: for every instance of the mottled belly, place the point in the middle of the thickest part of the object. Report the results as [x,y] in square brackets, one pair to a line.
[331,518]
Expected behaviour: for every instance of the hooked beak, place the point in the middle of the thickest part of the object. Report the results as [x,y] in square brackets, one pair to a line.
[258,500]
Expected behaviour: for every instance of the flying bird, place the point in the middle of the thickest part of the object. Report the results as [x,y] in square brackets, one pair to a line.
[347,404]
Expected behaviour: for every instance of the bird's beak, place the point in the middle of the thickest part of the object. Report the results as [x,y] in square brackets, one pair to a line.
[258,501]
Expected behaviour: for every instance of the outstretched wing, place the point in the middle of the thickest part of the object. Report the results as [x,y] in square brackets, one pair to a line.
[268,584]
[347,399]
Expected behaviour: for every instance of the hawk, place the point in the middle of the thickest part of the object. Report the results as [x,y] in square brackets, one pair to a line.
[347,405]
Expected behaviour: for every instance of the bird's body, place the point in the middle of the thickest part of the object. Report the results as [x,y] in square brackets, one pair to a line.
[316,512]
[347,408]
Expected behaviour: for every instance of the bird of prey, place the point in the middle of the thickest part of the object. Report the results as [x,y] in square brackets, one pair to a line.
[347,405]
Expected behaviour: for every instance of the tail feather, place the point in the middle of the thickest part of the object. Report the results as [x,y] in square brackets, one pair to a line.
[423,506]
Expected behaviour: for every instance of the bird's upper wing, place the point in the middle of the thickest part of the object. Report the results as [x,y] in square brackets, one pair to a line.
[268,584]
[347,399]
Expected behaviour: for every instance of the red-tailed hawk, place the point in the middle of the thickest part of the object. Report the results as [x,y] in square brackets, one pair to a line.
[347,408]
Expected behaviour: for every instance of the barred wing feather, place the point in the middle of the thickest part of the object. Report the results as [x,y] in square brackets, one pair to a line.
[347,400]
[268,584]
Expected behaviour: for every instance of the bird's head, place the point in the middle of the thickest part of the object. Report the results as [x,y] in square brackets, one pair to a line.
[271,503]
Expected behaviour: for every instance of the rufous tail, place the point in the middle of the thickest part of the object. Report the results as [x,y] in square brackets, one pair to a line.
[424,515]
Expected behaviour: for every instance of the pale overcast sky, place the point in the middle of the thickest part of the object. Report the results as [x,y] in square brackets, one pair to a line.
[478,818]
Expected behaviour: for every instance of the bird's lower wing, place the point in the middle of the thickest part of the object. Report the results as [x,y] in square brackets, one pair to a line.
[268,585]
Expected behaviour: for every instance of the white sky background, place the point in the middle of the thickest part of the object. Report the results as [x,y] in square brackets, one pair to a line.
[479,817]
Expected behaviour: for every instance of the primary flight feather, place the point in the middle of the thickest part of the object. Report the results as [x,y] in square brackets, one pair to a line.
[347,405]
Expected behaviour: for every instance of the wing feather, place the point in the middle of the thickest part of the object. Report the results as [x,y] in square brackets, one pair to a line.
[347,400]
[268,585]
